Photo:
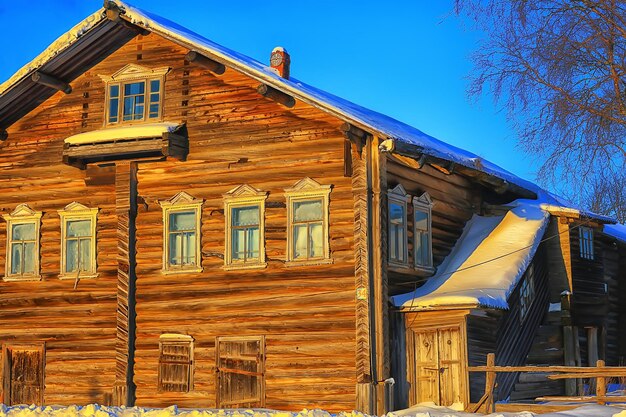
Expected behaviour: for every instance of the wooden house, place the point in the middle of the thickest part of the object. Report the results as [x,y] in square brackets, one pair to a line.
[186,225]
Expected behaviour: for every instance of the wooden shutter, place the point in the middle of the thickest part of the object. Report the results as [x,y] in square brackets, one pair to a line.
[240,372]
[24,375]
[175,362]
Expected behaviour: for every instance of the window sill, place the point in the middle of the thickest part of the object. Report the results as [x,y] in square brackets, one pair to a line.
[22,278]
[236,266]
[88,275]
[308,262]
[181,271]
[425,270]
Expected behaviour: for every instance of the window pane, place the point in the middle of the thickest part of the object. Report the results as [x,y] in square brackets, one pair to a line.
[78,228]
[29,258]
[134,88]
[393,239]
[128,108]
[114,91]
[300,241]
[253,243]
[175,248]
[154,98]
[155,86]
[421,220]
[422,249]
[316,243]
[245,216]
[238,243]
[71,255]
[25,231]
[396,213]
[185,220]
[16,258]
[113,110]
[189,249]
[85,255]
[308,210]
[154,111]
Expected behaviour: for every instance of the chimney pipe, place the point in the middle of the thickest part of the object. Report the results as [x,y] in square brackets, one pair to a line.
[279,61]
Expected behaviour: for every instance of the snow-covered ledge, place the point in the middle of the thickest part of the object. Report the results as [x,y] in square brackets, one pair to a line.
[113,134]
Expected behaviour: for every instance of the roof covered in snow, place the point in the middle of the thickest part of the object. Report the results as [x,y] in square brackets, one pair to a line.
[618,231]
[486,263]
[372,121]
[139,131]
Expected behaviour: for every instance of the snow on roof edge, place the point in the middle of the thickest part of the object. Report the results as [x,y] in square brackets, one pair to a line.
[618,231]
[486,263]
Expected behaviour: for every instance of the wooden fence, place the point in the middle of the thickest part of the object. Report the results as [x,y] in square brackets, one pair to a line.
[600,372]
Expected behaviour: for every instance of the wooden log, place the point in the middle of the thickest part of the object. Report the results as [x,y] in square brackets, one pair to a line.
[600,384]
[276,95]
[52,82]
[353,130]
[4,135]
[199,59]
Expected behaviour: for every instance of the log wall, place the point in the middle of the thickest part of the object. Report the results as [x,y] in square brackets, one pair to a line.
[306,313]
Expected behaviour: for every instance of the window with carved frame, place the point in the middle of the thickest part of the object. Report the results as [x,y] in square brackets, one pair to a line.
[308,220]
[422,232]
[244,212]
[181,233]
[22,255]
[78,241]
[397,225]
[134,94]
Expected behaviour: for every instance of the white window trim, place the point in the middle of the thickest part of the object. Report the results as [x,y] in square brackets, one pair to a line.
[423,204]
[244,196]
[304,190]
[181,202]
[134,73]
[398,195]
[22,214]
[177,338]
[71,212]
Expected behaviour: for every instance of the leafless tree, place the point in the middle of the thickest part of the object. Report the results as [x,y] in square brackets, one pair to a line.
[559,69]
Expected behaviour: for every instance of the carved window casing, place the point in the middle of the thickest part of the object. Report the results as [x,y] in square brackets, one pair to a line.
[308,223]
[181,234]
[22,255]
[175,363]
[244,211]
[134,94]
[422,232]
[78,241]
[398,240]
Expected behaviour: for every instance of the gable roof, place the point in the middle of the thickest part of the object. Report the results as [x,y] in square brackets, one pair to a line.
[97,36]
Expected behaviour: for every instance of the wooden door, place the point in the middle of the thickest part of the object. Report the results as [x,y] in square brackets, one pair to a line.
[24,376]
[437,366]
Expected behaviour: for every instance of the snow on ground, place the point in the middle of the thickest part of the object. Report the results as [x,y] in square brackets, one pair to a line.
[95,410]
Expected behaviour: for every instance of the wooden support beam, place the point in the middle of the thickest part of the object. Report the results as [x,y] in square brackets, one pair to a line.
[4,135]
[347,128]
[203,61]
[52,82]
[114,13]
[276,95]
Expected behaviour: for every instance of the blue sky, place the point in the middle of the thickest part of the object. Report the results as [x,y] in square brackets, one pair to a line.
[407,59]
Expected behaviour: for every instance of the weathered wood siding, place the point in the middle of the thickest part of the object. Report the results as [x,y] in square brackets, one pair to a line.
[306,313]
[76,321]
[504,333]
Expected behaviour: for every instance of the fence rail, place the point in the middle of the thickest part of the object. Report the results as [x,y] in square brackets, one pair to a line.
[600,372]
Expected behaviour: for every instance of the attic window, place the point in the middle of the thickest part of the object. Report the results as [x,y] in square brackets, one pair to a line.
[134,94]
[585,240]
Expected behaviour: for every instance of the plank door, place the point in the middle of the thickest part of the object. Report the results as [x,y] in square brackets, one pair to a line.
[438,367]
[24,376]
[240,372]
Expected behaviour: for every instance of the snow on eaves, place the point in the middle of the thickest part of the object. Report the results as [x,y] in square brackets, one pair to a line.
[618,231]
[486,263]
[378,123]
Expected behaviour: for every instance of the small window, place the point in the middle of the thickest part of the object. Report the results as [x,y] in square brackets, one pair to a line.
[422,246]
[240,372]
[308,218]
[585,240]
[527,292]
[175,363]
[78,241]
[398,242]
[22,258]
[181,234]
[135,94]
[244,209]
